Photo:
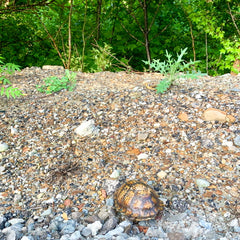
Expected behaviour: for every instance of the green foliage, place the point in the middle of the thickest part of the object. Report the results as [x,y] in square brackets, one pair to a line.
[54,84]
[210,30]
[172,69]
[7,89]
[103,59]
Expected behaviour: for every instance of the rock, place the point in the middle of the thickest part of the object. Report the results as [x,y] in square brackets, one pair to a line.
[51,67]
[176,236]
[237,140]
[142,136]
[92,219]
[127,225]
[76,236]
[233,223]
[115,232]
[205,224]
[109,225]
[87,128]
[3,147]
[69,227]
[27,238]
[156,232]
[142,156]
[110,202]
[13,130]
[115,173]
[183,116]
[46,212]
[16,221]
[202,183]
[213,114]
[65,237]
[76,216]
[86,232]
[11,235]
[2,169]
[94,227]
[161,174]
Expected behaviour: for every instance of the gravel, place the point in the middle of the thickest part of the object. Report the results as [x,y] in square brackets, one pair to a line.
[63,155]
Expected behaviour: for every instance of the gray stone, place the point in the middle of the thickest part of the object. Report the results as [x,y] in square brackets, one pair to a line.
[86,232]
[115,232]
[109,225]
[68,227]
[205,224]
[76,216]
[65,237]
[176,236]
[156,232]
[46,212]
[237,140]
[27,238]
[76,236]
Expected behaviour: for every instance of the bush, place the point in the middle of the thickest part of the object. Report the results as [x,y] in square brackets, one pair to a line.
[7,89]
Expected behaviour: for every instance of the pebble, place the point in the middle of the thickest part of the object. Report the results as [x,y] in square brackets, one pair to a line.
[237,140]
[161,174]
[202,183]
[94,227]
[142,156]
[115,174]
[212,114]
[3,147]
[87,128]
[16,221]
[46,212]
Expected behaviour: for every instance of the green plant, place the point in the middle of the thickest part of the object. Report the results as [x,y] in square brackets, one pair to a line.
[172,69]
[54,84]
[7,89]
[102,58]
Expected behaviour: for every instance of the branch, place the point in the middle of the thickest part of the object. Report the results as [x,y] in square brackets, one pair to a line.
[24,7]
[233,19]
[155,15]
[134,17]
[131,34]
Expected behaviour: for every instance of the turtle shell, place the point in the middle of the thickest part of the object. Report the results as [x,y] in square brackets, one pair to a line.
[137,201]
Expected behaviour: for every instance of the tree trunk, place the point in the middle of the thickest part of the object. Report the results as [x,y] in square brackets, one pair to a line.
[98,20]
[70,35]
[146,30]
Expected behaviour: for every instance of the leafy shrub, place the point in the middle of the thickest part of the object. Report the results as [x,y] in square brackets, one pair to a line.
[7,89]
[102,58]
[172,69]
[54,84]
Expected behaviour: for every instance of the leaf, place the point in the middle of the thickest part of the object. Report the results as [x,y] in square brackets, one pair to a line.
[163,86]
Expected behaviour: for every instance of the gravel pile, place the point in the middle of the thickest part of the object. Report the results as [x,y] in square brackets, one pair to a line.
[62,157]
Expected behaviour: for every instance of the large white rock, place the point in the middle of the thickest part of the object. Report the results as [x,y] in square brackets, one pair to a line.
[95,227]
[87,128]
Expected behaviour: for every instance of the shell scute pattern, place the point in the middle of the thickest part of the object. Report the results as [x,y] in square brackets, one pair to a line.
[138,201]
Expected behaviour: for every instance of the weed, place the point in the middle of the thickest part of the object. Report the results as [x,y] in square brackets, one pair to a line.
[54,84]
[172,69]
[7,89]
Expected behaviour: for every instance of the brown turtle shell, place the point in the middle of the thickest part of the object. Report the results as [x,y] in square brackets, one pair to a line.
[138,201]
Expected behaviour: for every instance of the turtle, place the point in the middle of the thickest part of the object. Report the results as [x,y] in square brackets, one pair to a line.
[137,201]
